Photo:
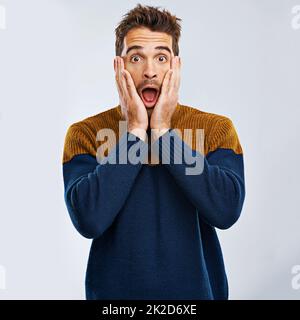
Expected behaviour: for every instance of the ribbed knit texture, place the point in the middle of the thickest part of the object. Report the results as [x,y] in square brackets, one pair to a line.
[81,136]
[153,225]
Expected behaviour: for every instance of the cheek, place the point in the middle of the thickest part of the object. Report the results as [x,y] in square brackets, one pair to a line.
[163,71]
[134,72]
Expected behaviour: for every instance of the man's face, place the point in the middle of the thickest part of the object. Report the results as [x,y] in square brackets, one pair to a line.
[147,57]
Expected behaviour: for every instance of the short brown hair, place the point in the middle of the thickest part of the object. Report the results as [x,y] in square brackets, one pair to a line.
[152,18]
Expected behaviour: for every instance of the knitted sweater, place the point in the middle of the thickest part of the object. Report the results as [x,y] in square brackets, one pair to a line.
[152,224]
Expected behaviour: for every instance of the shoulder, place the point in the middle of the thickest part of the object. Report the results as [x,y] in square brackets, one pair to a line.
[218,130]
[81,136]
[199,117]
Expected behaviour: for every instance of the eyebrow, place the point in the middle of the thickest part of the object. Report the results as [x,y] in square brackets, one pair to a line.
[141,48]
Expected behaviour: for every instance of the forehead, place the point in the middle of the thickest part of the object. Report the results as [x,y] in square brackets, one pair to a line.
[147,38]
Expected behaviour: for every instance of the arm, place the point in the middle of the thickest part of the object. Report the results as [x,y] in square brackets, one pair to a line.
[218,189]
[95,192]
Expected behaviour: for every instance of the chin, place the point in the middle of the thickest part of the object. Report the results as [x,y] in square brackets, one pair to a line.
[149,111]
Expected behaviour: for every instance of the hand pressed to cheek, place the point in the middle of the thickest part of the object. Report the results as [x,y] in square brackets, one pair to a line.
[167,102]
[120,81]
[132,106]
[171,83]
[175,78]
[123,88]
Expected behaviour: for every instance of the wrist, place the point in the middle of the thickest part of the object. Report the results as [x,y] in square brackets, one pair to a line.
[139,132]
[160,125]
[156,133]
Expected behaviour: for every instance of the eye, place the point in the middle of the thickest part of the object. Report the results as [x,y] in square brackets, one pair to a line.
[134,57]
[161,58]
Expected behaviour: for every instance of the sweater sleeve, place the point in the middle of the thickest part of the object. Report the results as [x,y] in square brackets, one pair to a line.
[215,183]
[95,191]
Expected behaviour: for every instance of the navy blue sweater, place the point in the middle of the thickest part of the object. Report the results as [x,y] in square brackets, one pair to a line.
[153,226]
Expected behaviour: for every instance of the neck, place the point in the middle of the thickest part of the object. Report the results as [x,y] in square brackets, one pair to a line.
[149,111]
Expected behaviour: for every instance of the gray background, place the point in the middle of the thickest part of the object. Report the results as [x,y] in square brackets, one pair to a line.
[239,59]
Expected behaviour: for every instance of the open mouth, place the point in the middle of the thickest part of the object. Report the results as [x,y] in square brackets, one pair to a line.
[150,96]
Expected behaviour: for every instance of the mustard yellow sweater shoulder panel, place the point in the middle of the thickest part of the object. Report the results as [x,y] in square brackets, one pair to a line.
[81,136]
[217,131]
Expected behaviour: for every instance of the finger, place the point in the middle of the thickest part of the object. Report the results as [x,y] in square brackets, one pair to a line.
[119,69]
[166,82]
[130,84]
[116,69]
[123,82]
[123,88]
[117,77]
[171,85]
[118,74]
[172,62]
[131,89]
[177,82]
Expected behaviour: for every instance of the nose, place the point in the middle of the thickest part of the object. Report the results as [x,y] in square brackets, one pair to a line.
[149,71]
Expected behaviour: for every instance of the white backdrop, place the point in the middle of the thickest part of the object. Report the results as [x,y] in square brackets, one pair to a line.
[239,59]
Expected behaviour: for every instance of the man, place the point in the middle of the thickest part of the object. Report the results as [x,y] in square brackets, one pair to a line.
[152,224]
